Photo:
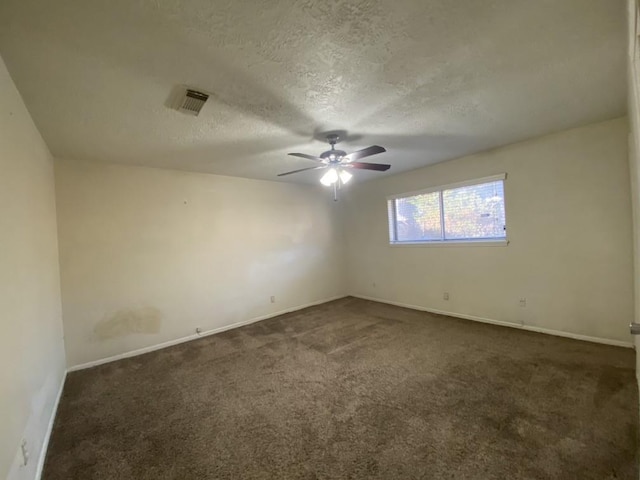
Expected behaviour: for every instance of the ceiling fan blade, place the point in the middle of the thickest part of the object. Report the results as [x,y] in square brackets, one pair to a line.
[301,170]
[365,152]
[308,157]
[380,167]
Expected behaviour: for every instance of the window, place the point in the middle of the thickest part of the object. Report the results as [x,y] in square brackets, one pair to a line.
[466,212]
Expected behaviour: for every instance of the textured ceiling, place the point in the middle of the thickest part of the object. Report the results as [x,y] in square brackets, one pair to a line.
[428,79]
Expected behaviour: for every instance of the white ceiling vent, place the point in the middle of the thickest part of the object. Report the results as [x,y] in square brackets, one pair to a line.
[190,101]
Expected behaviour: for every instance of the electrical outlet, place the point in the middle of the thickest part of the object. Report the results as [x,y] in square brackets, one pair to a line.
[273,299]
[445,296]
[25,452]
[523,302]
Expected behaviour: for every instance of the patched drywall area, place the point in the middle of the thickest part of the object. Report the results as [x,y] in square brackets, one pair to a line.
[148,255]
[127,321]
[568,207]
[32,360]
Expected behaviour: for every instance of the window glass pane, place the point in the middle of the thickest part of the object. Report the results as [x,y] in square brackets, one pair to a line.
[418,218]
[476,211]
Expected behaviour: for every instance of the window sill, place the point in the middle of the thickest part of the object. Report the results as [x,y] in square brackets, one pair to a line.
[453,243]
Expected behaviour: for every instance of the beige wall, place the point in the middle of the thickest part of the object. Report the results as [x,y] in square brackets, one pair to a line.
[149,255]
[569,226]
[31,345]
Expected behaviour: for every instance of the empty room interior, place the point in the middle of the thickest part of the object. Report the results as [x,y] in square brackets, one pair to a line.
[305,239]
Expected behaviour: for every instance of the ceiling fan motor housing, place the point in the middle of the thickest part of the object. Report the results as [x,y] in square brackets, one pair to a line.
[333,156]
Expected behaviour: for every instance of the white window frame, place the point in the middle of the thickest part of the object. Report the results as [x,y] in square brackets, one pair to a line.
[391,217]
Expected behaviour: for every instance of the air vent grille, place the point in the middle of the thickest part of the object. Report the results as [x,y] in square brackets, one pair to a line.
[191,102]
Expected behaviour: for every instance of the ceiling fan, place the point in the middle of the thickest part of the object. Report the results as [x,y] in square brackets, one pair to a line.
[339,163]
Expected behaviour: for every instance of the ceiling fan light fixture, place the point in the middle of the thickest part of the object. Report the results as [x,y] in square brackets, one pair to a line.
[345,176]
[329,178]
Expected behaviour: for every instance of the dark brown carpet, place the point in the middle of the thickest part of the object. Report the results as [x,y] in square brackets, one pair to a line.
[354,390]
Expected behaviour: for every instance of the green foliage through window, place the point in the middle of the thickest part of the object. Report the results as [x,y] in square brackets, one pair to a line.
[472,212]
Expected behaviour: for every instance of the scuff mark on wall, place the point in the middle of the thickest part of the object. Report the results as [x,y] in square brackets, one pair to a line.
[127,321]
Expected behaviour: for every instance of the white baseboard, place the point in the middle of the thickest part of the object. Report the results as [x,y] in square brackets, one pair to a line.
[548,331]
[47,436]
[159,346]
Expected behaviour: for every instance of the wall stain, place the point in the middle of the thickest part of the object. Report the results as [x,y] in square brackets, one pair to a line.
[127,321]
